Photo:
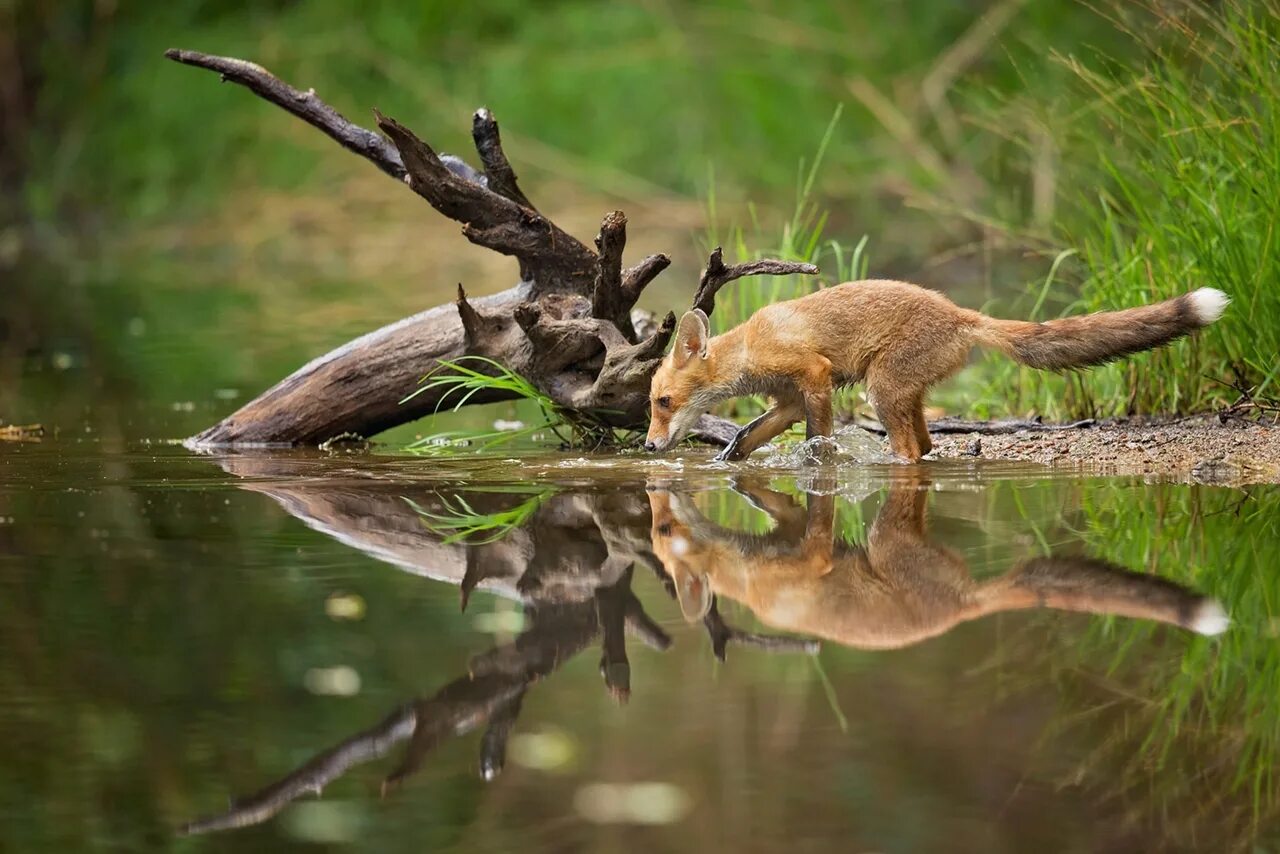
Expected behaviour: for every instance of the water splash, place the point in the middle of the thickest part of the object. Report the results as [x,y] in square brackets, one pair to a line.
[848,445]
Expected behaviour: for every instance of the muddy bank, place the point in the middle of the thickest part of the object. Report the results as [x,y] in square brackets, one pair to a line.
[1199,448]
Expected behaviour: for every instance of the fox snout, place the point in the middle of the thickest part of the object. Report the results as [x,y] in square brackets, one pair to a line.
[667,429]
[659,430]
[656,443]
[662,435]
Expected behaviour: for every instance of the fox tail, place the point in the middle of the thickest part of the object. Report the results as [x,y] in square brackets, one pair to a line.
[1094,339]
[1098,587]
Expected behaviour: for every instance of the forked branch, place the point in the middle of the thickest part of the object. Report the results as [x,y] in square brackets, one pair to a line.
[489,219]
[717,275]
[499,176]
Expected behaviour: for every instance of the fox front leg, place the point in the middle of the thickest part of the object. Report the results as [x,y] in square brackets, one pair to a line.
[763,429]
[778,506]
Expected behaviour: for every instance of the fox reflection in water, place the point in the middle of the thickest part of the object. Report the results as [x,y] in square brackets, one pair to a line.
[898,590]
[571,566]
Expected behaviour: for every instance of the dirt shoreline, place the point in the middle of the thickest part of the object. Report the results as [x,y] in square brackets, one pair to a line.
[1198,448]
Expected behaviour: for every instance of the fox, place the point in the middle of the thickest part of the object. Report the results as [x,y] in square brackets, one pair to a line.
[896,338]
[901,589]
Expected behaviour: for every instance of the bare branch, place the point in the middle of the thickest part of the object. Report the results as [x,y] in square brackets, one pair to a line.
[577,337]
[499,175]
[491,220]
[304,105]
[558,343]
[493,744]
[714,430]
[494,211]
[717,275]
[656,344]
[470,318]
[634,279]
[645,627]
[608,300]
[623,382]
[312,777]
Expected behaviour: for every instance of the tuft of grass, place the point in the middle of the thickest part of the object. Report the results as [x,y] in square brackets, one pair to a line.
[1172,165]
[463,378]
[460,522]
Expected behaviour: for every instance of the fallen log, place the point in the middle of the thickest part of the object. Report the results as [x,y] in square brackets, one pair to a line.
[567,326]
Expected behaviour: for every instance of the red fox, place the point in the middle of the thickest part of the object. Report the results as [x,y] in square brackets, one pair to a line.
[899,590]
[897,338]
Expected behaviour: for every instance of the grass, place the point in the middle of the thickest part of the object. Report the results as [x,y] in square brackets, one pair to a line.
[802,237]
[460,522]
[463,378]
[1170,169]
[1166,167]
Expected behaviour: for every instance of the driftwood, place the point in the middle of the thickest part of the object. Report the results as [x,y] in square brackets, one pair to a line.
[567,325]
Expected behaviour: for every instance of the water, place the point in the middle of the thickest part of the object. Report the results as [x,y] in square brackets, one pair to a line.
[654,655]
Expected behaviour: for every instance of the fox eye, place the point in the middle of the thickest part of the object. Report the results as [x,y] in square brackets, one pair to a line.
[664,529]
[664,402]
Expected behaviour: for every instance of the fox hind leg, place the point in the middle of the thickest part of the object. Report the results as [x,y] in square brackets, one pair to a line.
[903,418]
[922,429]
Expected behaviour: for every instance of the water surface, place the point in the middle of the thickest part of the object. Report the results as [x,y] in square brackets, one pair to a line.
[556,652]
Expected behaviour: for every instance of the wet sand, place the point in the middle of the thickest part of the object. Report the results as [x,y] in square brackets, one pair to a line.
[1198,448]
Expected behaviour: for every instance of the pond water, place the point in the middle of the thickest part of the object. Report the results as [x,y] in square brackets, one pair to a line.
[551,652]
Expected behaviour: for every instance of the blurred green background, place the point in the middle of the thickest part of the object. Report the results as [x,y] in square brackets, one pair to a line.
[179,245]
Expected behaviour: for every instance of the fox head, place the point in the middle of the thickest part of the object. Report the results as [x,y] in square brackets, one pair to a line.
[682,553]
[682,390]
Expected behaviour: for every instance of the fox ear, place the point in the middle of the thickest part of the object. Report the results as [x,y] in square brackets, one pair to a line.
[695,596]
[691,337]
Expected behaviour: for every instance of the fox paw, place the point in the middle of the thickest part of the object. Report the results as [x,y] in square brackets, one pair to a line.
[819,450]
[726,455]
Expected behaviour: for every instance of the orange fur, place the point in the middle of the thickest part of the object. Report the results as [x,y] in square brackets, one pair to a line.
[897,338]
[897,591]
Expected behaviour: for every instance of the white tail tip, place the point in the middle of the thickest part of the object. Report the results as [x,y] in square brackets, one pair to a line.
[1208,304]
[1210,618]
